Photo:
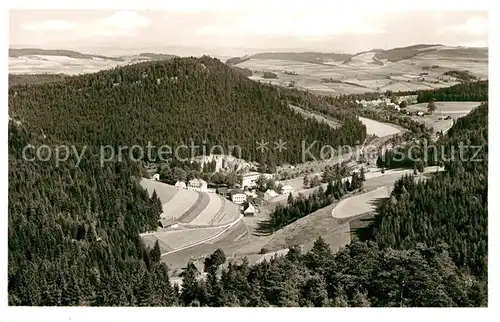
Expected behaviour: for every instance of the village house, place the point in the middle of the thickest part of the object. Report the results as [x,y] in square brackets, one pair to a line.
[250,179]
[287,189]
[197,185]
[249,211]
[268,176]
[238,197]
[156,177]
[269,194]
[180,184]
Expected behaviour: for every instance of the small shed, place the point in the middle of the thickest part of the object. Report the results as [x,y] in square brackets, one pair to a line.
[168,223]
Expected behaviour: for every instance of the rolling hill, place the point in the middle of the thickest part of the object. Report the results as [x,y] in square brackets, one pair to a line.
[417,67]
[390,55]
[69,62]
[174,103]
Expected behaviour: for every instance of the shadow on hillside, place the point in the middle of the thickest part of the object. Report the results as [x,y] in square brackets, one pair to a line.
[361,227]
[265,228]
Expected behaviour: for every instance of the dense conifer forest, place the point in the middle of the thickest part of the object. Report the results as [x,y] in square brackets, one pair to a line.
[73,231]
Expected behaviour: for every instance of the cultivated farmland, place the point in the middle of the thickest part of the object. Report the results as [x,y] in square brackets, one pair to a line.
[212,208]
[182,205]
[399,70]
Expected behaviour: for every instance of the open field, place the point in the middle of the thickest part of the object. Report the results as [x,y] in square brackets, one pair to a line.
[320,118]
[164,191]
[230,241]
[307,229]
[227,214]
[42,64]
[454,109]
[182,203]
[360,204]
[212,207]
[181,238]
[379,128]
[443,109]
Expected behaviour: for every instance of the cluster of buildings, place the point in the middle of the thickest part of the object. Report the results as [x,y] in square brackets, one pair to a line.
[195,184]
[249,180]
[386,101]
[245,195]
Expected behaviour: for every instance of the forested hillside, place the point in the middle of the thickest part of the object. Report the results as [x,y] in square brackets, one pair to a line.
[73,232]
[171,103]
[467,91]
[451,208]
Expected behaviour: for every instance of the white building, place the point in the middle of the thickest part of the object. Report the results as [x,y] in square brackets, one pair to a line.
[197,185]
[287,189]
[269,194]
[238,197]
[268,176]
[249,179]
[156,176]
[180,184]
[250,211]
[420,113]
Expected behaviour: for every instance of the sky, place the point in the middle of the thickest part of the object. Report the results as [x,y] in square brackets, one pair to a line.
[235,30]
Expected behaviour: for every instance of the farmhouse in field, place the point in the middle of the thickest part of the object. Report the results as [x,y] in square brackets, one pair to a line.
[180,184]
[249,211]
[197,185]
[287,189]
[168,223]
[156,176]
[238,197]
[250,179]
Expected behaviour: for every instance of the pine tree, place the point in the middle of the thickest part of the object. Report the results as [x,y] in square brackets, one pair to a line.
[155,254]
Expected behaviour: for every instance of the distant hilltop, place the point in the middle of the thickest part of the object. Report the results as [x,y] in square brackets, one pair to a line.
[61,61]
[374,56]
[26,52]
